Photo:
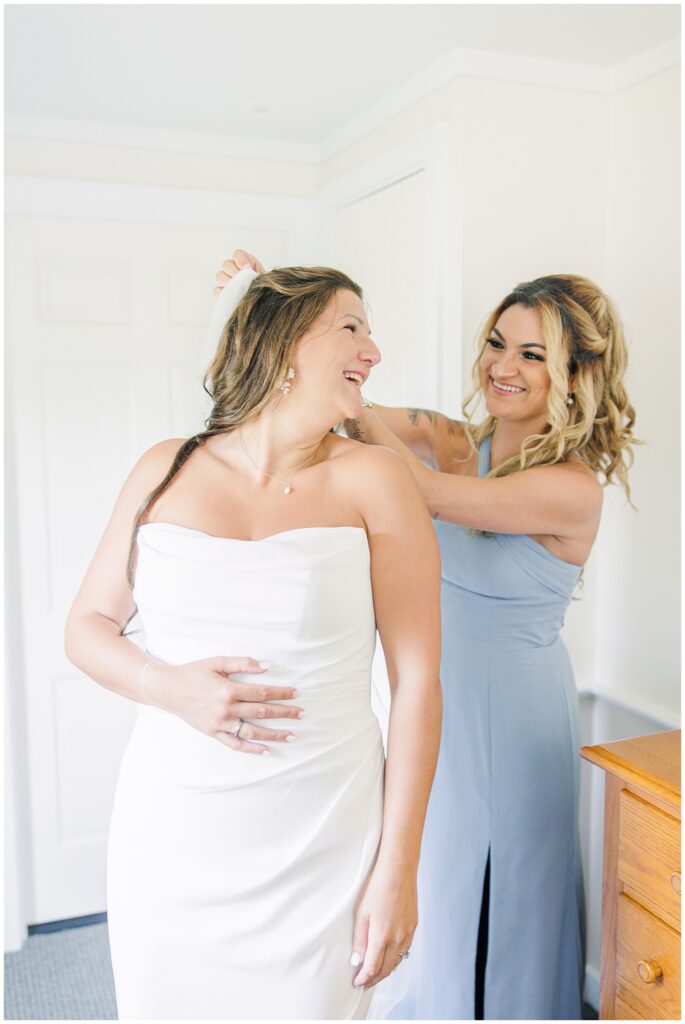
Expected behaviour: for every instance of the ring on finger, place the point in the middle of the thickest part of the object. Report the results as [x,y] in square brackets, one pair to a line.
[236,731]
[403,954]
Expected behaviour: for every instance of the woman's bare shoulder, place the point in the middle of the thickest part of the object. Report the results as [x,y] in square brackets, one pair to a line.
[583,474]
[574,464]
[151,468]
[574,482]
[160,456]
[371,473]
[356,453]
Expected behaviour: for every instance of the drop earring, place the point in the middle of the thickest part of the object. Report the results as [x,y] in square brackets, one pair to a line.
[569,398]
[286,385]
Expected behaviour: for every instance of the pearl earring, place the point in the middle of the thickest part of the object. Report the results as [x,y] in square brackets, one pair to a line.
[286,385]
[569,399]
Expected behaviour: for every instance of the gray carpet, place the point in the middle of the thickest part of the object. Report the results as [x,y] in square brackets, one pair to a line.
[67,975]
[63,975]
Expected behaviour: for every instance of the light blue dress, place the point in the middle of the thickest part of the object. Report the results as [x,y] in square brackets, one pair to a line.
[506,786]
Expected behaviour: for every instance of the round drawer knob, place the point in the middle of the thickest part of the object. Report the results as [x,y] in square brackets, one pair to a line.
[675,882]
[649,971]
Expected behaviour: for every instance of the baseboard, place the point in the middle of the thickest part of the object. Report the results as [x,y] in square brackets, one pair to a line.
[591,993]
[70,922]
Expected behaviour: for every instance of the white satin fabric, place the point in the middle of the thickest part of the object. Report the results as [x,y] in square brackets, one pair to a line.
[233,878]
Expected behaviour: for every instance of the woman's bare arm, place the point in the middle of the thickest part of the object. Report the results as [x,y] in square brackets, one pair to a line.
[431,436]
[405,571]
[563,500]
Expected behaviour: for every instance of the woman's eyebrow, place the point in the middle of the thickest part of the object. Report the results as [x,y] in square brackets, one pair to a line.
[525,344]
[354,318]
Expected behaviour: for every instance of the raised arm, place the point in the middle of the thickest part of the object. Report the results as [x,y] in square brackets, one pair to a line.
[405,573]
[564,500]
[431,436]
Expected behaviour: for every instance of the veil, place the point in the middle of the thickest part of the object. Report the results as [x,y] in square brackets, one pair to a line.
[225,303]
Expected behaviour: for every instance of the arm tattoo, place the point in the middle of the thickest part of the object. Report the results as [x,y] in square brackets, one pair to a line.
[414,415]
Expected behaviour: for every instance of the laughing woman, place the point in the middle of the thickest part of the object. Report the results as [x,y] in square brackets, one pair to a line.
[240,886]
[517,502]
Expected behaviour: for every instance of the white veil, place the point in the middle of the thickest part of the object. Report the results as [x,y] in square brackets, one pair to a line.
[226,302]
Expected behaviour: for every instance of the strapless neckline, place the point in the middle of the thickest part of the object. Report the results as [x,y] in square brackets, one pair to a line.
[257,540]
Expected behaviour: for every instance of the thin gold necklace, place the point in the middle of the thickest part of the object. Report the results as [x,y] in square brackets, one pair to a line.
[288,487]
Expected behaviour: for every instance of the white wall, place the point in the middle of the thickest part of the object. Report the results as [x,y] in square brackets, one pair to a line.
[640,591]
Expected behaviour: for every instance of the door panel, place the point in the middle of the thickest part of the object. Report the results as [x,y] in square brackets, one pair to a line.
[382,243]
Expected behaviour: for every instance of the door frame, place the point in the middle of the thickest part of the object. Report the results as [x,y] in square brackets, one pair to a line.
[427,151]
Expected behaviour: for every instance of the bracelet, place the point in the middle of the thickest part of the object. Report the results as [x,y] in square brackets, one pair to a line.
[141,678]
[366,403]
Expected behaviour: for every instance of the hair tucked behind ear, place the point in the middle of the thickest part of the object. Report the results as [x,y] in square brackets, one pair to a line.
[585,341]
[253,356]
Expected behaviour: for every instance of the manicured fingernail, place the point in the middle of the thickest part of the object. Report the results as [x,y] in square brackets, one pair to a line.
[295,693]
[264,664]
[289,739]
[301,714]
[265,752]
[355,959]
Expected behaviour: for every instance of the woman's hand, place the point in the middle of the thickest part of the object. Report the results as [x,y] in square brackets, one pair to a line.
[229,268]
[385,922]
[203,694]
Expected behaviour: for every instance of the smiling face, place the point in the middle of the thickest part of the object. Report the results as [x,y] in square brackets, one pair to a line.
[334,358]
[513,368]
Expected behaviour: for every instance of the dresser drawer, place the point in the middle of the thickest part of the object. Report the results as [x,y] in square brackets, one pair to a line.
[649,856]
[647,964]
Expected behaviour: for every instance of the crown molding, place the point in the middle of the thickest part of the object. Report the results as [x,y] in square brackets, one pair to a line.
[458,63]
[467,63]
[61,197]
[504,67]
[645,64]
[100,133]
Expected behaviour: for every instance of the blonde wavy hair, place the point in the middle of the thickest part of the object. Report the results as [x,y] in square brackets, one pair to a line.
[253,356]
[585,341]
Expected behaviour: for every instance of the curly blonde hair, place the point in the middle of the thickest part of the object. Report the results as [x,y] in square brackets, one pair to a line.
[585,341]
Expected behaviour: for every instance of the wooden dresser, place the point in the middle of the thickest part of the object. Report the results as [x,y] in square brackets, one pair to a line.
[640,974]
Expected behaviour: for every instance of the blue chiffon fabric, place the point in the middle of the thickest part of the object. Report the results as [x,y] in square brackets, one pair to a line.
[506,786]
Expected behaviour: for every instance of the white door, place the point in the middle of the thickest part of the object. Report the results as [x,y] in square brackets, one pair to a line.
[381,241]
[105,334]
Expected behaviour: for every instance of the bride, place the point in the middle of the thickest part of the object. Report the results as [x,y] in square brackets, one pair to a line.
[261,555]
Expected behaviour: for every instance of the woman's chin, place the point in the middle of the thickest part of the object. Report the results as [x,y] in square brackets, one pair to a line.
[353,409]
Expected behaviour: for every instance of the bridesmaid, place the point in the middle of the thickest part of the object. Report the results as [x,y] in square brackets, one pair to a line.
[517,502]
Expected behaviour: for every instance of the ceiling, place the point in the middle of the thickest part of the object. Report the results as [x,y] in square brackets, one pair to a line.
[292,72]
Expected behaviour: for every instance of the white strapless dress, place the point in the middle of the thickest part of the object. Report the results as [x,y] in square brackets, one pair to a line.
[232,879]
